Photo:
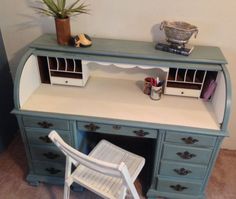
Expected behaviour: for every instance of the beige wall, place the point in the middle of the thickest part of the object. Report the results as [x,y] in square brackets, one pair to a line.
[130,19]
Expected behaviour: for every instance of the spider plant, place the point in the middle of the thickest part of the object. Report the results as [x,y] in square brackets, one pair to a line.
[61,8]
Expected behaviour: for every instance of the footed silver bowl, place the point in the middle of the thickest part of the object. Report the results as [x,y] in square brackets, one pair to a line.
[178,32]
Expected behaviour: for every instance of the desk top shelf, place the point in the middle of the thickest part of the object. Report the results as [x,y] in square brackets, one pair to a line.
[134,49]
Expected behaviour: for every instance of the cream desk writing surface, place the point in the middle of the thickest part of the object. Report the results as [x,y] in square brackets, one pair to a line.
[122,100]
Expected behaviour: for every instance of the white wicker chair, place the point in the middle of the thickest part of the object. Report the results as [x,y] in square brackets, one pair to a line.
[108,170]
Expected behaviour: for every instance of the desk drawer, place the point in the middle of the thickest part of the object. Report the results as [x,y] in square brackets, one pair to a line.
[68,81]
[178,186]
[40,136]
[182,170]
[190,139]
[186,154]
[49,168]
[47,154]
[117,129]
[47,123]
[182,92]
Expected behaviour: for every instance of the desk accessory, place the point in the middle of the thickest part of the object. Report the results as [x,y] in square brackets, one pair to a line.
[177,35]
[153,87]
[210,90]
[181,50]
[148,81]
[61,11]
[82,40]
[156,92]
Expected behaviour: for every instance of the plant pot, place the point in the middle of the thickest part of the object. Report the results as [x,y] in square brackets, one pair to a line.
[63,31]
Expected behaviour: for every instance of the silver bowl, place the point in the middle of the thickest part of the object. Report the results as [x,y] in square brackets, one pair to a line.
[178,32]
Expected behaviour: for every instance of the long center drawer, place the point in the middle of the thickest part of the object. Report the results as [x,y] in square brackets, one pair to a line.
[117,129]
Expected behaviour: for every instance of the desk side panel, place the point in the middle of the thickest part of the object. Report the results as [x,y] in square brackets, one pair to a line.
[30,79]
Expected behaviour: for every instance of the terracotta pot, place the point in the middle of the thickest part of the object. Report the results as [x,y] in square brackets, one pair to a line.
[63,31]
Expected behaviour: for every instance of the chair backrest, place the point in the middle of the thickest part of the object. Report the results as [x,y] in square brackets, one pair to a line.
[80,158]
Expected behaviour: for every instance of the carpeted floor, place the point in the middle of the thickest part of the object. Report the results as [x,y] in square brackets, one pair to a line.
[13,168]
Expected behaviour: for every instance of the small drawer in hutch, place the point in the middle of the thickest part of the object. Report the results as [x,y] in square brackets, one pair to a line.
[66,81]
[182,91]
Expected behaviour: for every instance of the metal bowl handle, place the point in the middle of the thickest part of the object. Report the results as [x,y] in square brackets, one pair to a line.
[162,25]
[195,33]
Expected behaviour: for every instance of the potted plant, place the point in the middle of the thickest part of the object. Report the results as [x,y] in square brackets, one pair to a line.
[61,10]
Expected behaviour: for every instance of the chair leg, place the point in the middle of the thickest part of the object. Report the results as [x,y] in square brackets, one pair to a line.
[66,191]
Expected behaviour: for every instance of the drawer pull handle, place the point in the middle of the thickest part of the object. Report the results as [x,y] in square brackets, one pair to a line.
[51,156]
[92,127]
[141,133]
[52,170]
[182,171]
[45,139]
[45,124]
[178,187]
[116,127]
[189,140]
[186,155]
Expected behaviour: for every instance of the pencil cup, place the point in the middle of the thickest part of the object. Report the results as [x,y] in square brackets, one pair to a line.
[147,86]
[156,92]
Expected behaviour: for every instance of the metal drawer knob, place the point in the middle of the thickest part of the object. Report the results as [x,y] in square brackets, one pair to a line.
[51,155]
[178,187]
[140,133]
[116,127]
[189,140]
[186,155]
[92,127]
[182,171]
[45,124]
[52,170]
[45,139]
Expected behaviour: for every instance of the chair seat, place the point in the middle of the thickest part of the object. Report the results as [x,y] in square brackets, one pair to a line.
[107,186]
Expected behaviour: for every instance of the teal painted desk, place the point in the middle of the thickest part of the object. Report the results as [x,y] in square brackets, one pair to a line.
[99,90]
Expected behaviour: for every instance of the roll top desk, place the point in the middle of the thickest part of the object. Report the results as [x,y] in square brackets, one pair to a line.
[99,90]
